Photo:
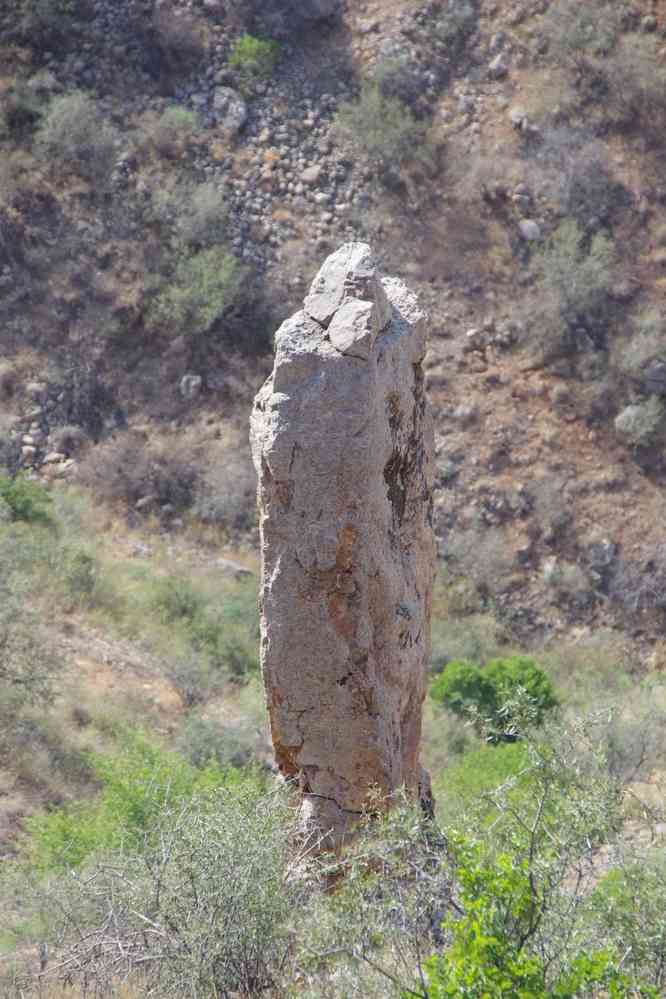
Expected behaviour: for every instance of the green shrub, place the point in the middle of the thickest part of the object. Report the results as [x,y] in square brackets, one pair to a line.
[197,214]
[577,33]
[454,23]
[461,685]
[175,598]
[195,678]
[29,662]
[488,691]
[138,784]
[47,22]
[26,500]
[254,58]
[22,110]
[636,79]
[173,130]
[83,580]
[227,493]
[646,343]
[219,891]
[74,132]
[222,635]
[523,925]
[642,423]
[630,904]
[466,785]
[203,739]
[228,631]
[203,287]
[383,128]
[489,955]
[576,277]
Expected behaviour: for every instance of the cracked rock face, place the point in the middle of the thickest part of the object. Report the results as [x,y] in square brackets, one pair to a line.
[342,440]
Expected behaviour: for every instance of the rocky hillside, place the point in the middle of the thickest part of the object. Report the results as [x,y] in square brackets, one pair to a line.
[173,173]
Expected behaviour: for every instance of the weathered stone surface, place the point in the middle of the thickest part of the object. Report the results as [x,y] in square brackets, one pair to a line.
[230,109]
[342,441]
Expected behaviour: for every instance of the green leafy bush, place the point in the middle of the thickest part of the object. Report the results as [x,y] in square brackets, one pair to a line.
[26,500]
[646,343]
[196,214]
[577,276]
[202,288]
[467,783]
[464,687]
[203,739]
[74,132]
[642,423]
[454,23]
[29,662]
[254,58]
[461,685]
[489,956]
[629,903]
[524,925]
[175,598]
[138,784]
[222,636]
[213,899]
[637,84]
[171,132]
[577,32]
[382,127]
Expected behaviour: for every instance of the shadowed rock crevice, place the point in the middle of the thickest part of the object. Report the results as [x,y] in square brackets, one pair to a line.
[342,441]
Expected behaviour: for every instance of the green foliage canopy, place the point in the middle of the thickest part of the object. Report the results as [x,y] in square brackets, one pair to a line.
[465,688]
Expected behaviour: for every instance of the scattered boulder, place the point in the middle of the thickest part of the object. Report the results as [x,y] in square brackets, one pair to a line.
[342,441]
[230,109]
[311,174]
[190,386]
[529,230]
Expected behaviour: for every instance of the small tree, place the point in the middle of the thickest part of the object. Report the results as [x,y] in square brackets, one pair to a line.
[578,33]
[487,692]
[642,423]
[578,276]
[488,957]
[382,127]
[74,132]
[172,131]
[203,911]
[254,58]
[25,500]
[196,214]
[203,287]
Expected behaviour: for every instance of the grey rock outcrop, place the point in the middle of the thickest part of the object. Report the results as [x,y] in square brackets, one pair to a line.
[230,110]
[342,441]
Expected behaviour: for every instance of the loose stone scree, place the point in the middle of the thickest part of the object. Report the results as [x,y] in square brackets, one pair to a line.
[342,440]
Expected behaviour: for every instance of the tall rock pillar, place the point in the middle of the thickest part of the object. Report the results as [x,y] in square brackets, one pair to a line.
[342,440]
